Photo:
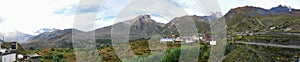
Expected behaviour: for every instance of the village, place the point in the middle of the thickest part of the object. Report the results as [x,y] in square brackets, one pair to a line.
[11,53]
[206,38]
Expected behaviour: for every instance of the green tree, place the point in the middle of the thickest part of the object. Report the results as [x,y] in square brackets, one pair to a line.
[48,57]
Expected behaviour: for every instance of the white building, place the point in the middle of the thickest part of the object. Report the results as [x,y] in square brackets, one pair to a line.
[167,39]
[8,57]
[272,28]
[213,42]
[189,41]
[2,50]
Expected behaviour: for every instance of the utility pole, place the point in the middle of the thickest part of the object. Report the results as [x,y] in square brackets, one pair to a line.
[18,36]
[3,40]
[3,37]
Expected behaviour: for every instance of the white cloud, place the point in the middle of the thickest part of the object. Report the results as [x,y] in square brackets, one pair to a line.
[104,23]
[1,20]
[160,19]
[121,10]
[31,15]
[164,8]
[199,7]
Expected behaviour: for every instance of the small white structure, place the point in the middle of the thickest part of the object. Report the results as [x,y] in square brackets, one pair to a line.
[272,28]
[2,50]
[189,41]
[213,42]
[287,29]
[299,60]
[9,57]
[34,55]
[167,39]
[34,58]
[179,39]
[196,37]
[201,38]
[20,56]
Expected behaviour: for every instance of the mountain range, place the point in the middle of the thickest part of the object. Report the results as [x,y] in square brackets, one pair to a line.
[43,30]
[1,40]
[141,26]
[241,19]
[15,36]
[256,19]
[201,23]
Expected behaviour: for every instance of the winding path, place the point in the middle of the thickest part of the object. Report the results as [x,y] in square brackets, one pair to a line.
[266,44]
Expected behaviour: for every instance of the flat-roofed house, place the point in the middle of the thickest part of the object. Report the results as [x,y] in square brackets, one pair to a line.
[9,57]
[167,39]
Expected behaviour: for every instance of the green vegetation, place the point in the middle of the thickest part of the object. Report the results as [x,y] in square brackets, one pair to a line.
[140,47]
[234,52]
[255,53]
[173,55]
[55,54]
[258,23]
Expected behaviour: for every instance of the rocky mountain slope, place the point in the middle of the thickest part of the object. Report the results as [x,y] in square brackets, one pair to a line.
[58,38]
[256,19]
[141,27]
[241,19]
[201,23]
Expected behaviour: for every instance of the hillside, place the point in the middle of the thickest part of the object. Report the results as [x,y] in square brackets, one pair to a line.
[58,38]
[141,27]
[201,23]
[255,19]
[239,20]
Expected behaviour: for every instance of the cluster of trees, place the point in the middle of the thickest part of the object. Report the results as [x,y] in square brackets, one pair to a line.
[173,55]
[55,54]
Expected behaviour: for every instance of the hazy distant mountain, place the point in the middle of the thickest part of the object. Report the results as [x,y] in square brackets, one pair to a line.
[15,36]
[57,38]
[141,26]
[1,40]
[49,35]
[241,19]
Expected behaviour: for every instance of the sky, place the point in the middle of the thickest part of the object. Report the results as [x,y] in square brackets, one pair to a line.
[28,16]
